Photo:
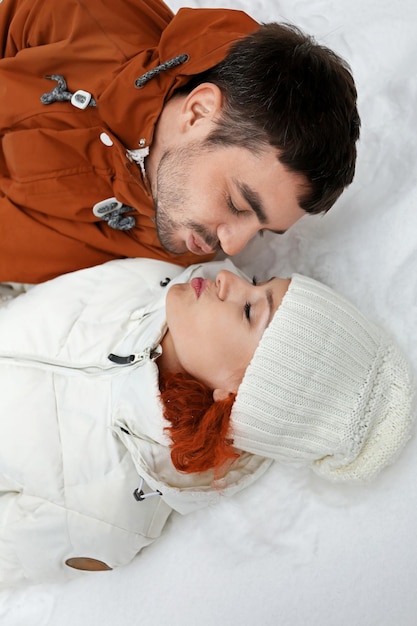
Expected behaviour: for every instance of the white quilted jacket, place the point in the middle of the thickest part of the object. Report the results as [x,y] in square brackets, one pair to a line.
[79,431]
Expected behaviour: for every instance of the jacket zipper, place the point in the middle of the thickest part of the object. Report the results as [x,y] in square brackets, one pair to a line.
[117,361]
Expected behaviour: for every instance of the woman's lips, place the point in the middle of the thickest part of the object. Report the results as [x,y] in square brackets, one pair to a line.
[198,285]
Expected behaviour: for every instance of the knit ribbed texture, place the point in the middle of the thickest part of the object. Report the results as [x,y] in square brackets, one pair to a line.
[325,387]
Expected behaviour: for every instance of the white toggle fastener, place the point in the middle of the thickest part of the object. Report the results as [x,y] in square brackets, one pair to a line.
[81,99]
[106,206]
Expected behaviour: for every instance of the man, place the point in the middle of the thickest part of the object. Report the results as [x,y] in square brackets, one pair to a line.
[127,131]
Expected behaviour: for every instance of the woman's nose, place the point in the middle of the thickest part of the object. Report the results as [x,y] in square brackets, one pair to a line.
[223,283]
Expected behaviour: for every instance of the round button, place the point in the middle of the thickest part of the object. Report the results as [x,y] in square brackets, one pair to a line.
[104,138]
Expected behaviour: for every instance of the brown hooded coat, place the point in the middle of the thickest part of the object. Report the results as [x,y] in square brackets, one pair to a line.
[55,161]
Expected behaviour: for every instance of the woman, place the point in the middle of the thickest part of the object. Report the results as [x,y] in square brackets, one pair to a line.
[90,468]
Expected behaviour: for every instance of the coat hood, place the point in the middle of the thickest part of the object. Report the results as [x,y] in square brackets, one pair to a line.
[193,41]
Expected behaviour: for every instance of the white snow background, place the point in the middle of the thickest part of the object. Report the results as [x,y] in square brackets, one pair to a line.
[293,550]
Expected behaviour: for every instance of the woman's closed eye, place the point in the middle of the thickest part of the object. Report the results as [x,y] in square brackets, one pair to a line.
[247,309]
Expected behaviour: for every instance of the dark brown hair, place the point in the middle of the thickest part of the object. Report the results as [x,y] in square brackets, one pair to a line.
[282,88]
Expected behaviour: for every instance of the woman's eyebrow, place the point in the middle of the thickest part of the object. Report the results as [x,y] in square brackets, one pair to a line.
[270,301]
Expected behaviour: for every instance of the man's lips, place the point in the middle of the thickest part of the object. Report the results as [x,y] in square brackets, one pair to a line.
[197,245]
[198,285]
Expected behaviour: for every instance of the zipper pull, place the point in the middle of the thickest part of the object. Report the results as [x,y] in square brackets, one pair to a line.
[126,360]
[148,353]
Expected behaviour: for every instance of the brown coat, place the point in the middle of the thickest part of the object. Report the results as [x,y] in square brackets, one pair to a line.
[54,166]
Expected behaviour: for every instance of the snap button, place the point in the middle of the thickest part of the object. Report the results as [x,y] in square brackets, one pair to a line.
[104,138]
[106,206]
[85,563]
[81,99]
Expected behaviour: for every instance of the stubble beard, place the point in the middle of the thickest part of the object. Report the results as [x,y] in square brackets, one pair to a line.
[166,229]
[171,198]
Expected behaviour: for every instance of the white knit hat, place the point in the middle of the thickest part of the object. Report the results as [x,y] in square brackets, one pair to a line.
[325,387]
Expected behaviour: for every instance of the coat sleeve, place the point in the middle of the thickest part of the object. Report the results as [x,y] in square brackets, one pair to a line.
[38,539]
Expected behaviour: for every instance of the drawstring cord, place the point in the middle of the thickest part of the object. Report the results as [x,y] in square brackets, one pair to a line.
[80,99]
[113,212]
[139,495]
[116,220]
[167,65]
[149,353]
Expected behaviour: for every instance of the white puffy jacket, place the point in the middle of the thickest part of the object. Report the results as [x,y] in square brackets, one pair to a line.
[79,432]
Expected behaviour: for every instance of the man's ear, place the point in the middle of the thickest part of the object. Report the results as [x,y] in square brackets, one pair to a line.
[203,104]
[220,394]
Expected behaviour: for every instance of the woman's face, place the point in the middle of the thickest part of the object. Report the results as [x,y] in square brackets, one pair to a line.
[215,326]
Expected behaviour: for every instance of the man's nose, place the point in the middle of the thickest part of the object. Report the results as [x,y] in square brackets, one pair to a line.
[234,239]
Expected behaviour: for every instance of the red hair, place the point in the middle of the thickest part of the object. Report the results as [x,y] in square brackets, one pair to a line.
[199,426]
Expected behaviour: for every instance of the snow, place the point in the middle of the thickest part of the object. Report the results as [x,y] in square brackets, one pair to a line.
[293,550]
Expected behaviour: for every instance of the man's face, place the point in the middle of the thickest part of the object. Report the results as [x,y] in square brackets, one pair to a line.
[210,197]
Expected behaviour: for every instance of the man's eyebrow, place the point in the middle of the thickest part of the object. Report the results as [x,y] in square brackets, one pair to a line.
[252,197]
